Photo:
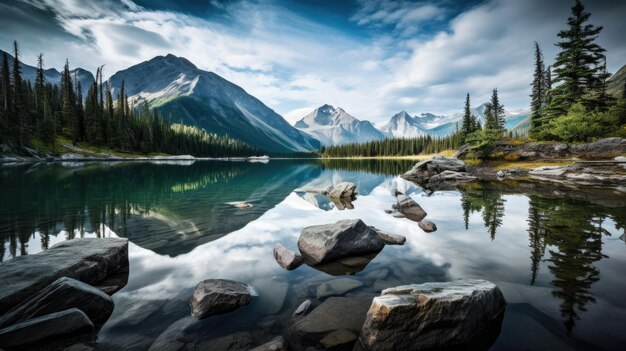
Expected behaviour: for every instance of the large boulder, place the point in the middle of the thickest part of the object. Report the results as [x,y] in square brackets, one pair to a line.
[433,316]
[328,242]
[64,293]
[286,258]
[409,208]
[427,226]
[343,189]
[90,260]
[218,296]
[55,326]
[422,171]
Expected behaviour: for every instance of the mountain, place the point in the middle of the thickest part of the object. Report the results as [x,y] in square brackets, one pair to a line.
[616,83]
[334,126]
[177,88]
[52,75]
[402,125]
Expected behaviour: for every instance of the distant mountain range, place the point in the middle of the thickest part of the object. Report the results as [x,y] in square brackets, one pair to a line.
[177,88]
[334,126]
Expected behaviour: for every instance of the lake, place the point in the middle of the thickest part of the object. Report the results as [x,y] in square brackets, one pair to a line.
[557,253]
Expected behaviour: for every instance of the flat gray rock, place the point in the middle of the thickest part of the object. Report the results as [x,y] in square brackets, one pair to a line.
[325,243]
[63,294]
[218,296]
[89,260]
[72,322]
[432,315]
[303,308]
[391,239]
[338,339]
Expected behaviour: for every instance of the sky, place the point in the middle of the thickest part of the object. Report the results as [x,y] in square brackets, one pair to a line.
[372,58]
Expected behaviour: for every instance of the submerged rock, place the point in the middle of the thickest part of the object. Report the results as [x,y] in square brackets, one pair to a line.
[409,208]
[286,258]
[346,266]
[63,294]
[218,296]
[54,326]
[339,339]
[89,260]
[337,287]
[240,204]
[335,313]
[328,242]
[427,226]
[277,344]
[343,189]
[434,315]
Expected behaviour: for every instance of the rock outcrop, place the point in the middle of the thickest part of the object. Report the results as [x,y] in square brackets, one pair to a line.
[63,294]
[328,242]
[89,260]
[286,258]
[438,170]
[218,296]
[343,190]
[434,316]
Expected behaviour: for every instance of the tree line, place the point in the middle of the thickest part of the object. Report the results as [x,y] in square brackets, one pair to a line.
[36,116]
[394,147]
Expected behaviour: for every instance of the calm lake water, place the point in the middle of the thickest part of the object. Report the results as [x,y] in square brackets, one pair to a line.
[558,254]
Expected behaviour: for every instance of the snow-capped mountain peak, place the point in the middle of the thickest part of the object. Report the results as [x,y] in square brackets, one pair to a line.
[334,126]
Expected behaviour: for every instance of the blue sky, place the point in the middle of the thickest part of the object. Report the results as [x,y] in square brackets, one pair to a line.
[373,58]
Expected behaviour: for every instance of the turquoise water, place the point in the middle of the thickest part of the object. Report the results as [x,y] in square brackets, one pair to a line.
[557,253]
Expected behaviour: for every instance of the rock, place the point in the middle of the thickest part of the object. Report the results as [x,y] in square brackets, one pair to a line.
[79,347]
[89,260]
[190,334]
[324,243]
[240,204]
[422,171]
[218,296]
[549,171]
[339,339]
[277,344]
[501,174]
[433,315]
[451,177]
[303,308]
[59,325]
[342,203]
[391,239]
[409,208]
[427,226]
[286,258]
[337,287]
[389,211]
[397,214]
[343,189]
[333,314]
[114,282]
[63,294]
[272,293]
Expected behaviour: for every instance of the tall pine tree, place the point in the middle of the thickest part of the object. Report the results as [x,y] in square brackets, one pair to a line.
[17,121]
[494,113]
[468,125]
[537,96]
[578,65]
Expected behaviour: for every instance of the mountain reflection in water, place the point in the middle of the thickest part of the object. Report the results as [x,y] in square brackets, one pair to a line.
[555,252]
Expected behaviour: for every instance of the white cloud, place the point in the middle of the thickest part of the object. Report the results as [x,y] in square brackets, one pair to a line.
[291,62]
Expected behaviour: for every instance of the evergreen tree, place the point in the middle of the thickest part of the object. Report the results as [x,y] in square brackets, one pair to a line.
[93,123]
[80,113]
[537,96]
[5,97]
[17,117]
[468,121]
[578,65]
[40,84]
[494,113]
